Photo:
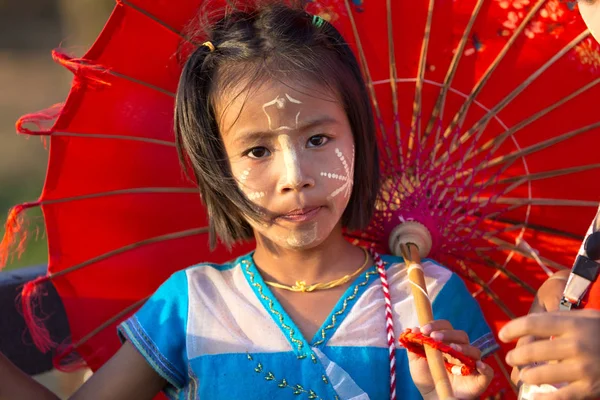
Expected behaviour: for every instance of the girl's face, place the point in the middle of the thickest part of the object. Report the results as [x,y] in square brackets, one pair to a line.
[292,154]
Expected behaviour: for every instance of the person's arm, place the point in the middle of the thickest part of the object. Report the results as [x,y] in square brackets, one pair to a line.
[15,384]
[126,375]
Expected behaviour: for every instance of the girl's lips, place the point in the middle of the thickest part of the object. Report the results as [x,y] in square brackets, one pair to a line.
[301,215]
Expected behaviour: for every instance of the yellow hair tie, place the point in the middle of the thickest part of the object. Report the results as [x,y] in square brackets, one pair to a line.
[210,46]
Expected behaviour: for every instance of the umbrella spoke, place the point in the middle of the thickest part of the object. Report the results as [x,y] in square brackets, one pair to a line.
[101,327]
[415,126]
[504,102]
[495,143]
[438,109]
[462,112]
[504,245]
[472,275]
[510,275]
[504,371]
[548,174]
[155,19]
[508,159]
[129,247]
[393,79]
[143,190]
[368,79]
[116,137]
[140,82]
[538,201]
[534,227]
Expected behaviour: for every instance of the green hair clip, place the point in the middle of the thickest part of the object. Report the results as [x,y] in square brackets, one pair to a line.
[317,21]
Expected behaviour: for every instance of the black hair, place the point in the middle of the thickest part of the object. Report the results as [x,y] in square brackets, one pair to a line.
[273,41]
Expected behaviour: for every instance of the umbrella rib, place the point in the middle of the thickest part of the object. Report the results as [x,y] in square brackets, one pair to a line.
[441,101]
[548,174]
[415,126]
[459,116]
[486,288]
[144,190]
[489,261]
[71,64]
[106,324]
[537,228]
[140,82]
[129,247]
[155,19]
[505,101]
[511,157]
[393,78]
[539,146]
[369,80]
[117,137]
[505,373]
[502,244]
[538,201]
[496,142]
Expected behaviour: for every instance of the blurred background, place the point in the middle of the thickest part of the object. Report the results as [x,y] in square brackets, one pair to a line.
[30,81]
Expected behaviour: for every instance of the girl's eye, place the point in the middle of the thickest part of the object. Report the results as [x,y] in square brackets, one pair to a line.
[317,141]
[258,152]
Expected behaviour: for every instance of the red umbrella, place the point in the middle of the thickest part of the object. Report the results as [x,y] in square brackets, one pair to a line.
[486,123]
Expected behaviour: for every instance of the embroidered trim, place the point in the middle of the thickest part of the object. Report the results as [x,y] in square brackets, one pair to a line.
[350,298]
[486,344]
[134,332]
[259,287]
[192,387]
[297,389]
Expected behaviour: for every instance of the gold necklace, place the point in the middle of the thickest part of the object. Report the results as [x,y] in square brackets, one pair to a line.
[301,286]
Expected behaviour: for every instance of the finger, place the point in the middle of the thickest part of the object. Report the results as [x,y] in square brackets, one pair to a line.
[468,350]
[551,373]
[540,325]
[536,306]
[543,350]
[574,391]
[485,370]
[437,325]
[514,376]
[553,304]
[450,336]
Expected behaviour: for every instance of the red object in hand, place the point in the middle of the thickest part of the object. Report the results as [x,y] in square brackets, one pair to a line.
[415,342]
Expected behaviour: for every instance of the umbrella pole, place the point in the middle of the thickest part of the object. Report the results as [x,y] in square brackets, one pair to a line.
[435,359]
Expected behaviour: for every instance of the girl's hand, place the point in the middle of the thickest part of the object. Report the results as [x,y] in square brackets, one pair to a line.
[464,387]
[575,346]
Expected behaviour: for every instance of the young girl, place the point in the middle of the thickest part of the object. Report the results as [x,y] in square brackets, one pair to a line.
[274,118]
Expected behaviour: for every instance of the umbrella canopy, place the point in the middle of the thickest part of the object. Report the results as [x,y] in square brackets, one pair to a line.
[487,131]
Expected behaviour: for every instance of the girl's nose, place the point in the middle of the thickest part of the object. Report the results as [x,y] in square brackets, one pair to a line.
[293,174]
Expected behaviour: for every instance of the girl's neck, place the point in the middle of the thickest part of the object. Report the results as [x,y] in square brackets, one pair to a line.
[331,259]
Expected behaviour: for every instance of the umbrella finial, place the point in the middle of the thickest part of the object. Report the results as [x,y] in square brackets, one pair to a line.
[410,232]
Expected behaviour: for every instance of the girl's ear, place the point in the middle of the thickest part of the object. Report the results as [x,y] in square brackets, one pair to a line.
[590,11]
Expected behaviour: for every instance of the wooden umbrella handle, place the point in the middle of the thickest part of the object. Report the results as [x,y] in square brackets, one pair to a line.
[435,359]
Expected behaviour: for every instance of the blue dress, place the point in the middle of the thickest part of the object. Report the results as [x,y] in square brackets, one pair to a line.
[218,332]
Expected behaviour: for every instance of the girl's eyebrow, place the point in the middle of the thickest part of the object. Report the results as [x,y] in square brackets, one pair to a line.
[254,136]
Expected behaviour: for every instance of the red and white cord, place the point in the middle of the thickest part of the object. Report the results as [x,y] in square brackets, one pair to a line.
[389,322]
